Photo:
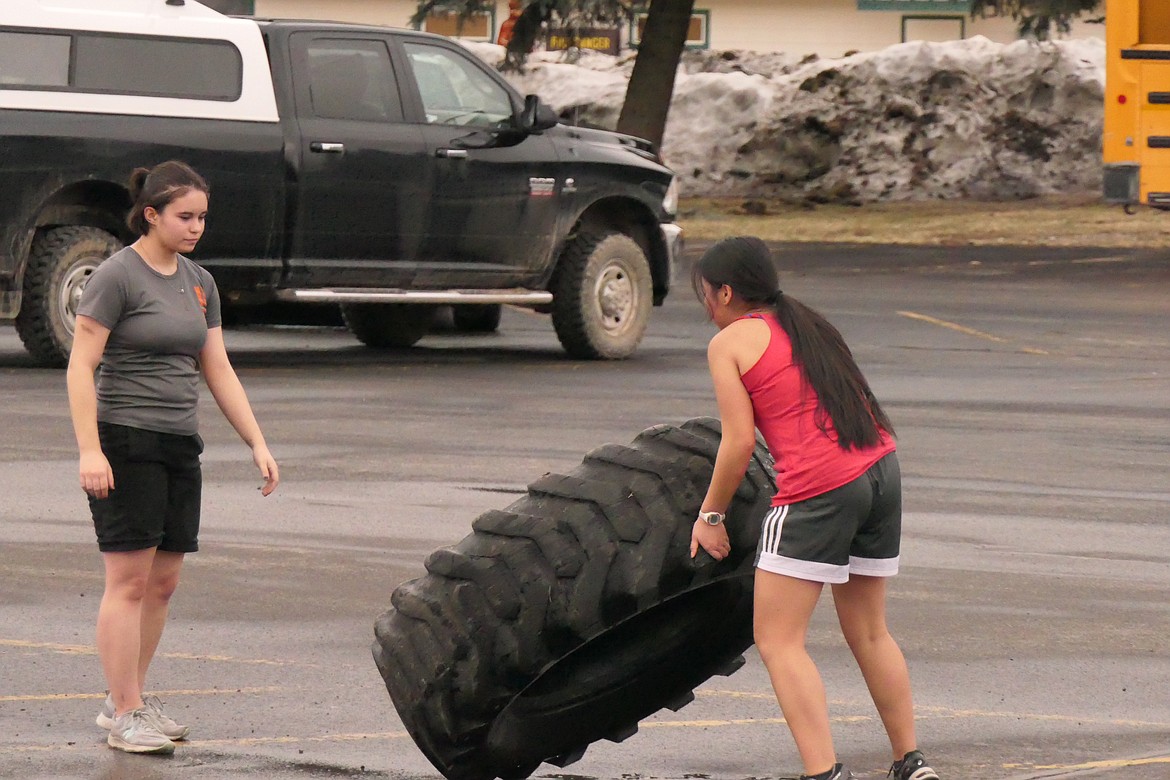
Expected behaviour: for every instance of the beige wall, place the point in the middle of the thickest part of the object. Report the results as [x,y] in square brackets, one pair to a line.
[825,27]
[831,27]
[394,13]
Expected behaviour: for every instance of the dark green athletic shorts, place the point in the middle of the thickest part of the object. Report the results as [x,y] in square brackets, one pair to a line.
[853,529]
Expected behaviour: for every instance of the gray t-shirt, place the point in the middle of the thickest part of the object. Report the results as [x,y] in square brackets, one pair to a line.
[149,374]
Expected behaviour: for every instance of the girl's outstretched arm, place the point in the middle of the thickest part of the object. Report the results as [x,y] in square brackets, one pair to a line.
[233,402]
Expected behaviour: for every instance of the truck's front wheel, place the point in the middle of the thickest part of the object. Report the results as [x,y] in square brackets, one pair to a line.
[388,325]
[602,294]
[59,265]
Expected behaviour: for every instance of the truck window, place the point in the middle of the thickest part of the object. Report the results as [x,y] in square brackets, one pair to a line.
[34,59]
[353,79]
[121,64]
[454,90]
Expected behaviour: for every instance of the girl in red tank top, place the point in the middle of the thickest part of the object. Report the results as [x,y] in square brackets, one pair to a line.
[781,368]
[809,459]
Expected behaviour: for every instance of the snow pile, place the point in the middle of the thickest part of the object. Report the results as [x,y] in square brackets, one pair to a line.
[962,119]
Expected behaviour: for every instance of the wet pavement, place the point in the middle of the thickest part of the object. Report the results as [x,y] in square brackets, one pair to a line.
[1031,392]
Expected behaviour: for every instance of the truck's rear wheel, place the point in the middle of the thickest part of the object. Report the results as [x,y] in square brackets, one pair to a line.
[388,325]
[60,263]
[575,612]
[602,295]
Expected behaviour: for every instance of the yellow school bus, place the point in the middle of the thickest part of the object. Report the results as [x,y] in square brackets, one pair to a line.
[1137,102]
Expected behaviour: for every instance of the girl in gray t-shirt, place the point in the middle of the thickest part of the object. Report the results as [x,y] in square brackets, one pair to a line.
[148,324]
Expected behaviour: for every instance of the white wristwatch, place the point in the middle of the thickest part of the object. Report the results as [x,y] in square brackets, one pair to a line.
[711,518]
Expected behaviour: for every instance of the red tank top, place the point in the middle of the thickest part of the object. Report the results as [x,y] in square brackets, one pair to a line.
[809,461]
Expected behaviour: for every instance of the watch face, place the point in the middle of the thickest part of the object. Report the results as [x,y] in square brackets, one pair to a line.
[713,518]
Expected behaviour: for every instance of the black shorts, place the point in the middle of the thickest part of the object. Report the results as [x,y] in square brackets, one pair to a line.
[853,529]
[157,488]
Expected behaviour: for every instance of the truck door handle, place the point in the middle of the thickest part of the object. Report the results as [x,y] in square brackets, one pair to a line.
[451,153]
[326,147]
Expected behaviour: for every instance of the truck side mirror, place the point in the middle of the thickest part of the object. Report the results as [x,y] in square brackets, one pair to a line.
[536,116]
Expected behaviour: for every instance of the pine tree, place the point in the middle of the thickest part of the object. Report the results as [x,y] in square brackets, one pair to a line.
[1038,18]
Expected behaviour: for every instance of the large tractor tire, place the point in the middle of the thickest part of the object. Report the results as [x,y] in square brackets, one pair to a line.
[388,325]
[576,612]
[60,263]
[602,296]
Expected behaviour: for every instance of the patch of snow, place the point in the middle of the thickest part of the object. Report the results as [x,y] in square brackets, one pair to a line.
[960,119]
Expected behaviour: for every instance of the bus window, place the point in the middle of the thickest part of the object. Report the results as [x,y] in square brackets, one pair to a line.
[1154,22]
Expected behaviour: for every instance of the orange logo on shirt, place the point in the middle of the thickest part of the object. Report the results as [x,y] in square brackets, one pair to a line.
[202,298]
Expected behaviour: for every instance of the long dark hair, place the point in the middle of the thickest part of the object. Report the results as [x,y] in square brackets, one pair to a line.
[157,187]
[744,264]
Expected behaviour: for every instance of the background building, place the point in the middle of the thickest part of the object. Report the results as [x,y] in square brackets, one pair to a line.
[825,27]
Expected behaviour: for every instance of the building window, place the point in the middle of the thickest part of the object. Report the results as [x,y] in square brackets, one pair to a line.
[933,28]
[698,34]
[921,6]
[476,27]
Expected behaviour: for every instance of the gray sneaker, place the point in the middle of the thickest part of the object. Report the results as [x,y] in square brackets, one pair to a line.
[105,717]
[165,724]
[135,732]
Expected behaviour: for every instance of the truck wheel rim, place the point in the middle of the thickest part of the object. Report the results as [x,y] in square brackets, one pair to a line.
[615,297]
[71,289]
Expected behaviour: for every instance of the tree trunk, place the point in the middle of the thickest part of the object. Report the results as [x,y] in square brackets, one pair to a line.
[652,82]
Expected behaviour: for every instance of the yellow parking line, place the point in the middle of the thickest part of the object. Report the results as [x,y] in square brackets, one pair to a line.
[949,712]
[966,331]
[1120,763]
[55,647]
[703,724]
[197,743]
[291,740]
[168,694]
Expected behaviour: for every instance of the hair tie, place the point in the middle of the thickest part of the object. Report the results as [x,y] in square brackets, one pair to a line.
[774,298]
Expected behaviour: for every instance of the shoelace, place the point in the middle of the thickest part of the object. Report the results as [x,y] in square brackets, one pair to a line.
[139,719]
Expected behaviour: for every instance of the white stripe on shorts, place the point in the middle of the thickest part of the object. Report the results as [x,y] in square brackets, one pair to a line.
[770,531]
[770,559]
[803,570]
[874,567]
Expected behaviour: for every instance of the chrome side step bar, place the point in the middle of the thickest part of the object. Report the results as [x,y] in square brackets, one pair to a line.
[518,296]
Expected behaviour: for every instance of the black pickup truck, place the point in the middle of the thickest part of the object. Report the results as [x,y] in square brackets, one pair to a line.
[385,170]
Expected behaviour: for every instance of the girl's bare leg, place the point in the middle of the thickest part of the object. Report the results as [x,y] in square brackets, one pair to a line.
[119,624]
[164,578]
[783,607]
[861,609]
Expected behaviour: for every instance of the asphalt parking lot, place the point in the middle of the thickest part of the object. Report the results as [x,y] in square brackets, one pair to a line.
[1031,393]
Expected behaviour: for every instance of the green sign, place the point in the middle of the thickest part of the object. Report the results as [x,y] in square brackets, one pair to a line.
[916,6]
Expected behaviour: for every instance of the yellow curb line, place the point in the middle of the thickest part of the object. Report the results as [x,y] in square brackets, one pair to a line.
[967,331]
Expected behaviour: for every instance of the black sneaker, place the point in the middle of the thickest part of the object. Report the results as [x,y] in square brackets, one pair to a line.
[839,773]
[913,766]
